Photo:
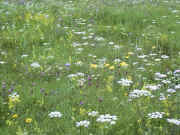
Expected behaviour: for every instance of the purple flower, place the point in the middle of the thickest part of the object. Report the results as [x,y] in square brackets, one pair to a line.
[67,64]
[81,103]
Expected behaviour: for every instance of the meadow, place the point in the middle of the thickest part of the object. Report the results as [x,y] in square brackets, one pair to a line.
[90,67]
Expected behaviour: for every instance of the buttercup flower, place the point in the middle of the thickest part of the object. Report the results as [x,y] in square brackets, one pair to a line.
[28,120]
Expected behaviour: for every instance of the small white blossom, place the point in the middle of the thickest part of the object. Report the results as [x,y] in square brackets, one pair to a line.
[138,93]
[55,114]
[159,75]
[93,113]
[2,62]
[174,121]
[35,65]
[177,86]
[171,90]
[24,55]
[156,115]
[164,56]
[107,118]
[125,82]
[153,87]
[83,123]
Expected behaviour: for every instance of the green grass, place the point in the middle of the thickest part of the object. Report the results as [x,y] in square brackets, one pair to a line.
[90,35]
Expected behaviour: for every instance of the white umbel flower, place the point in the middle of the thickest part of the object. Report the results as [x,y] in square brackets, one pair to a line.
[35,65]
[139,93]
[107,118]
[55,114]
[125,82]
[156,115]
[93,113]
[83,123]
[174,121]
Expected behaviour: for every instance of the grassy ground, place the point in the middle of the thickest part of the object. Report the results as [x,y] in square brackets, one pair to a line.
[120,58]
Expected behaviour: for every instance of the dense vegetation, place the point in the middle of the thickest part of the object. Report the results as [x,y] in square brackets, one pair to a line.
[90,67]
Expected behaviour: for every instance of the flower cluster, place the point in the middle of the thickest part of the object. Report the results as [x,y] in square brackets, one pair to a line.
[174,121]
[107,118]
[35,65]
[84,123]
[138,93]
[152,87]
[156,115]
[55,114]
[93,113]
[125,82]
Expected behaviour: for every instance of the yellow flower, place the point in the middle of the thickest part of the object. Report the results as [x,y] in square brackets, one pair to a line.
[93,66]
[14,116]
[123,64]
[153,47]
[111,67]
[106,65]
[28,120]
[130,53]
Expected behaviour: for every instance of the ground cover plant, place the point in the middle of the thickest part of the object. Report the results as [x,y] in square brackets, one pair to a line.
[90,67]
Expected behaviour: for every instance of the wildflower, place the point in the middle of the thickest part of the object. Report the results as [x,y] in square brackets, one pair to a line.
[159,75]
[171,90]
[83,123]
[35,65]
[138,93]
[156,115]
[55,114]
[24,55]
[174,121]
[67,64]
[111,67]
[2,62]
[93,113]
[177,86]
[164,56]
[142,56]
[93,66]
[14,116]
[107,65]
[152,87]
[123,64]
[28,120]
[125,82]
[107,118]
[117,61]
[111,43]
